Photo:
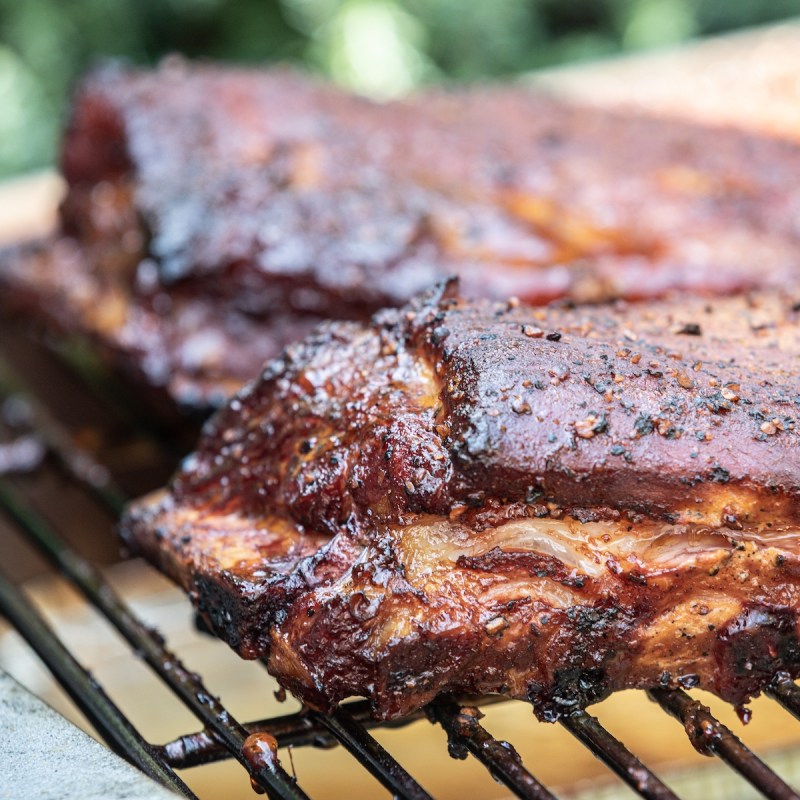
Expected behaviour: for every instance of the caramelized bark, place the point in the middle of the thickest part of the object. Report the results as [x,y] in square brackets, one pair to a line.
[285,197]
[549,503]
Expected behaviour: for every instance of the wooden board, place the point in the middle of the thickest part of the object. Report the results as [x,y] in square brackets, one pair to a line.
[748,80]
[28,206]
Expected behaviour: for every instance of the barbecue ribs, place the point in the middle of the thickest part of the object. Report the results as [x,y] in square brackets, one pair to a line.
[477,497]
[213,214]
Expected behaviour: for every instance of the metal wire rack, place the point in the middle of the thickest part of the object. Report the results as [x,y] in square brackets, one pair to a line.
[224,737]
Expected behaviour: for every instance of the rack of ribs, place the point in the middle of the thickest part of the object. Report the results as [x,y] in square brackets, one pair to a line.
[214,214]
[464,496]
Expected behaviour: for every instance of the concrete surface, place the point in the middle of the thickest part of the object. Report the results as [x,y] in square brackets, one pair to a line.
[45,757]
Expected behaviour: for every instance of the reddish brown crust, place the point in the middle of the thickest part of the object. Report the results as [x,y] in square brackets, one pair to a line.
[380,514]
[376,202]
[620,410]
[288,195]
[625,411]
[178,348]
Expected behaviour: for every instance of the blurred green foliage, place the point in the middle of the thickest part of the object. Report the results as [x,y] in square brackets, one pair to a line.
[379,47]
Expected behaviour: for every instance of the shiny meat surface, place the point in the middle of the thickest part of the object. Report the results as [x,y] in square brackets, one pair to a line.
[287,197]
[199,352]
[485,497]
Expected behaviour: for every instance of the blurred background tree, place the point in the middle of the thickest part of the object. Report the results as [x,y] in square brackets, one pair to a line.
[379,47]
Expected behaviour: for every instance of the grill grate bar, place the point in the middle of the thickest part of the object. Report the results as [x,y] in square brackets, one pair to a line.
[709,736]
[787,693]
[86,693]
[291,730]
[356,740]
[79,464]
[616,756]
[186,685]
[464,732]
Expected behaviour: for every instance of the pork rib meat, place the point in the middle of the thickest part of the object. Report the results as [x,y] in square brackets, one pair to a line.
[466,496]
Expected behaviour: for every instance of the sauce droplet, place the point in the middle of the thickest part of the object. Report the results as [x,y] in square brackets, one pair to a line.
[260,750]
[744,713]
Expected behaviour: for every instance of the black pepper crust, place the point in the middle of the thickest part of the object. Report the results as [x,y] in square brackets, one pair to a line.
[625,410]
[192,229]
[451,498]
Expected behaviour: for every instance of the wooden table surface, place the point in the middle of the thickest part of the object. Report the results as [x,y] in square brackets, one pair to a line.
[751,80]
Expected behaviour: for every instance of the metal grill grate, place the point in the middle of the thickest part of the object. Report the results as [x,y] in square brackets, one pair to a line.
[224,737]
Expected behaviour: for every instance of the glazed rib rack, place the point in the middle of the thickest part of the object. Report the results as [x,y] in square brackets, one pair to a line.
[221,736]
